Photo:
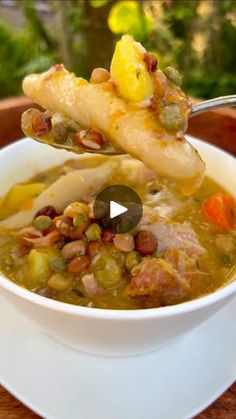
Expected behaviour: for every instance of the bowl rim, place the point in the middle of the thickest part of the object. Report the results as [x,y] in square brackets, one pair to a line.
[227,290]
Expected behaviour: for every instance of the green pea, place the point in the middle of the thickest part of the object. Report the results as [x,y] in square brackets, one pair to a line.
[124,224]
[93,232]
[57,264]
[42,222]
[171,118]
[226,259]
[132,259]
[173,75]
[80,220]
[59,133]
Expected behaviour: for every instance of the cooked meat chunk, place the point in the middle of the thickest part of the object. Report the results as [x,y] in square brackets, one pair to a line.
[171,234]
[166,279]
[157,278]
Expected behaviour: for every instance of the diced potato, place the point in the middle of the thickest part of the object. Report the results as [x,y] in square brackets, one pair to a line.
[38,269]
[18,196]
[59,283]
[129,70]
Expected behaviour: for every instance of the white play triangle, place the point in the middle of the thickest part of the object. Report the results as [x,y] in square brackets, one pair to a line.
[116,209]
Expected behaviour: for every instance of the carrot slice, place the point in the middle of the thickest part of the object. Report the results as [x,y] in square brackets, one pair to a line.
[219,209]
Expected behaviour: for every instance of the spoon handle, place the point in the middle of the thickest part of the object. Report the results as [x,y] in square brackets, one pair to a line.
[208,105]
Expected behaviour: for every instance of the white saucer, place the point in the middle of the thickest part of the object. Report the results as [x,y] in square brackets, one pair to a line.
[175,383]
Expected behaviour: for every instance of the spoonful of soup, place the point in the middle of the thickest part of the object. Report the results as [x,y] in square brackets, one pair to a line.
[134,109]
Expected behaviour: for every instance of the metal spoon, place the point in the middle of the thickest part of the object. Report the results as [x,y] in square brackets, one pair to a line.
[209,105]
[109,150]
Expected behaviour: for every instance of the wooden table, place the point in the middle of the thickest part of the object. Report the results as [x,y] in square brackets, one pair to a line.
[218,127]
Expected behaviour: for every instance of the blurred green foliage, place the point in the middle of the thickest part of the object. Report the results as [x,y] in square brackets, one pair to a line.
[196,36]
[129,17]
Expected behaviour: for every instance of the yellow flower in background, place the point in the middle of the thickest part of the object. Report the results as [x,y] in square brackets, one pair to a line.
[154,9]
[232,18]
[205,8]
[199,43]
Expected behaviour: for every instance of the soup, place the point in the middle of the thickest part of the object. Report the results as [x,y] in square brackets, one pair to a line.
[183,247]
[53,242]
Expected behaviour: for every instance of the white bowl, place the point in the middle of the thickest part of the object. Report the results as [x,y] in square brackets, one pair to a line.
[100,331]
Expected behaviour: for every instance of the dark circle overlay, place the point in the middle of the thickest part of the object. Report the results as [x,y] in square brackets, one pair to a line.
[125,196]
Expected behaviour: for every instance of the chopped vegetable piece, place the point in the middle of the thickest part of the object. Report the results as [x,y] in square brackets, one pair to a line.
[38,268]
[93,232]
[129,71]
[57,264]
[220,210]
[59,283]
[19,195]
[132,259]
[42,222]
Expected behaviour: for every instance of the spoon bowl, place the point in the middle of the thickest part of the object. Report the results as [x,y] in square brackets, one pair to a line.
[109,149]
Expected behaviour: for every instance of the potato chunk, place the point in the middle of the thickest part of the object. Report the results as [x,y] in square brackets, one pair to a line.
[129,71]
[38,268]
[19,196]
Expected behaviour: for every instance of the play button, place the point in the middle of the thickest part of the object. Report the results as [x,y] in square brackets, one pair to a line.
[118,208]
